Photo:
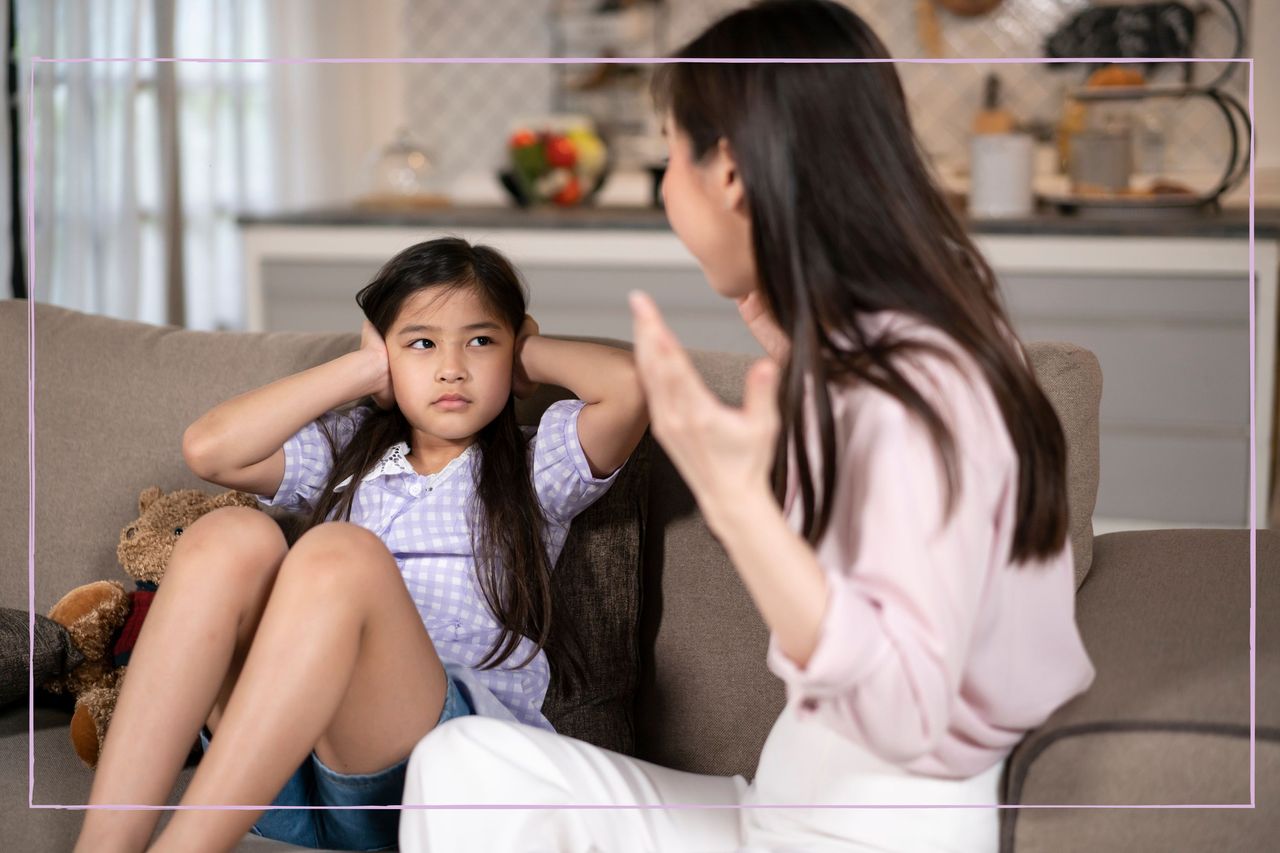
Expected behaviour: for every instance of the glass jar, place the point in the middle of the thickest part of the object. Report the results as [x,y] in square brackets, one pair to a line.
[403,173]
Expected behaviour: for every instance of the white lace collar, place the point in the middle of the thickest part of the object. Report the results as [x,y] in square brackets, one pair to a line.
[394,462]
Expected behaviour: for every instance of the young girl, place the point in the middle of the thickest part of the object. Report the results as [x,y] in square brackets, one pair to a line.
[420,592]
[892,493]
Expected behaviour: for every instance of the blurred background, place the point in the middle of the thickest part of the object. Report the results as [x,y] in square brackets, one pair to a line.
[261,195]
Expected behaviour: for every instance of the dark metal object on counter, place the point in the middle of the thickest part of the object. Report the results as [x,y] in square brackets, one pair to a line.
[1150,30]
[1234,113]
[657,172]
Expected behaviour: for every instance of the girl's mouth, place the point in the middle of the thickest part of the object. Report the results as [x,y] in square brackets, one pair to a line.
[451,402]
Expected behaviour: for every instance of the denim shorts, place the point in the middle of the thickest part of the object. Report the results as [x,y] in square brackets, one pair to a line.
[314,784]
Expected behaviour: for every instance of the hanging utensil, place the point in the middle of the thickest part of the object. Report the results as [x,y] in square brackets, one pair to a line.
[927,29]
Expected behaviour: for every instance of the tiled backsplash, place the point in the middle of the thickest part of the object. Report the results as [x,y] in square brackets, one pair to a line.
[463,112]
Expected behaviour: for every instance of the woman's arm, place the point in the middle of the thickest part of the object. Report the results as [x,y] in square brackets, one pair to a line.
[726,455]
[238,444]
[615,417]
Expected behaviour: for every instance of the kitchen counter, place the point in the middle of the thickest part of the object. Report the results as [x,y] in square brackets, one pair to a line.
[1230,222]
[1163,301]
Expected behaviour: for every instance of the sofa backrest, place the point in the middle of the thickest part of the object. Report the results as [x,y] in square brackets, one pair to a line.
[113,398]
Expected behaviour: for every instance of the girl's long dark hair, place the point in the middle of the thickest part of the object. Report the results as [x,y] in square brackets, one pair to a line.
[846,220]
[512,568]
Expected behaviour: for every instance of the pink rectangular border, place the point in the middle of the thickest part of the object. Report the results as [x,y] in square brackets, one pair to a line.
[31,520]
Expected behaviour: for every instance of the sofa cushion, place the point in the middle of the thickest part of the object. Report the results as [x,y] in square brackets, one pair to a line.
[1165,617]
[597,587]
[112,401]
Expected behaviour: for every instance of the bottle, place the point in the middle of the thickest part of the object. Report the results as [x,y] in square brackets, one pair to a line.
[992,118]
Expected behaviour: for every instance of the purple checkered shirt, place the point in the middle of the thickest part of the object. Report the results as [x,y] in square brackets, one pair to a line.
[425,524]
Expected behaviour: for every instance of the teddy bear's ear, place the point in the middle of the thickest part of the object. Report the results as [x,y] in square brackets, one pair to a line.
[235,499]
[148,497]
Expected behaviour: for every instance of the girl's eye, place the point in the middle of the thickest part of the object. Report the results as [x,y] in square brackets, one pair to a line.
[426,344]
[481,340]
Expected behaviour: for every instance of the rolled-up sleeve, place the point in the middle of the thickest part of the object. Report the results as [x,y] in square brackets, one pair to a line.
[562,477]
[904,586]
[308,459]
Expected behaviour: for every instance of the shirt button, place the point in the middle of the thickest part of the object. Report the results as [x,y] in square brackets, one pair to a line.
[415,490]
[809,704]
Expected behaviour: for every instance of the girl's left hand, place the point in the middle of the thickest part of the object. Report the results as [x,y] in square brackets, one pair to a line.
[723,453]
[521,385]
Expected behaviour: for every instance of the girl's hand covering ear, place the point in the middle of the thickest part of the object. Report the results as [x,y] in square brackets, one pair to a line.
[376,348]
[722,452]
[521,385]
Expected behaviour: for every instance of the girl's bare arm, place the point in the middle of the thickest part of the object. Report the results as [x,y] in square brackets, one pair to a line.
[238,444]
[615,417]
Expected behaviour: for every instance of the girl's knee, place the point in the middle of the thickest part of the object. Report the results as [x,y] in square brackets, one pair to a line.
[338,552]
[236,539]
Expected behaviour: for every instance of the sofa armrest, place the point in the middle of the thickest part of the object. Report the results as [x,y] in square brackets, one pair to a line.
[1165,617]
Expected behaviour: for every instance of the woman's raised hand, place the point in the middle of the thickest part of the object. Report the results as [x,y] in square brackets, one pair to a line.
[723,453]
[372,343]
[521,385]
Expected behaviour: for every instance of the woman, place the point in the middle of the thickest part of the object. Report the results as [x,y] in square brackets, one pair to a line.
[892,493]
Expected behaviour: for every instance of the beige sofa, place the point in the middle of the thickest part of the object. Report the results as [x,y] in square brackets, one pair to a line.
[1164,613]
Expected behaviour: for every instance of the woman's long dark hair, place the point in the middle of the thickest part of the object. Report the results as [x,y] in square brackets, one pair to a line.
[512,568]
[846,220]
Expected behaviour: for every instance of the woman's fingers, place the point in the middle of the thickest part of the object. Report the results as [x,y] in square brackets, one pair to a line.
[717,449]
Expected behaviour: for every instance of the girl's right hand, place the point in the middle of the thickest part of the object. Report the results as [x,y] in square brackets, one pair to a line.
[762,326]
[376,348]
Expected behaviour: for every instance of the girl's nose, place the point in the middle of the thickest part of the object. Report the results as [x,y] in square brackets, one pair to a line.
[450,368]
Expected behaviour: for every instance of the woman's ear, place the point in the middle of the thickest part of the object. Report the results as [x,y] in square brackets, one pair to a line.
[728,178]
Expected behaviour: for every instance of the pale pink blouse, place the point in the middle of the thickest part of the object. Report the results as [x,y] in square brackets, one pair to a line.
[935,653]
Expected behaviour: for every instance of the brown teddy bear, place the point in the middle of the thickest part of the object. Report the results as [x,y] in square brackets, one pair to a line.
[103,620]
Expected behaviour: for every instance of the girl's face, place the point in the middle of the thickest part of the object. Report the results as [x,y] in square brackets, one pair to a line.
[450,360]
[706,206]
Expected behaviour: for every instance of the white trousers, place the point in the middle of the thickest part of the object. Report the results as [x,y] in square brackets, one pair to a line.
[486,762]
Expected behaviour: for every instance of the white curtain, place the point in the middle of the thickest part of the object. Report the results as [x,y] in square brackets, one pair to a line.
[95,194]
[115,233]
[225,149]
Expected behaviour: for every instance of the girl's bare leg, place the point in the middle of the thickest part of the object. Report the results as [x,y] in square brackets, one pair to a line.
[196,634]
[341,663]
